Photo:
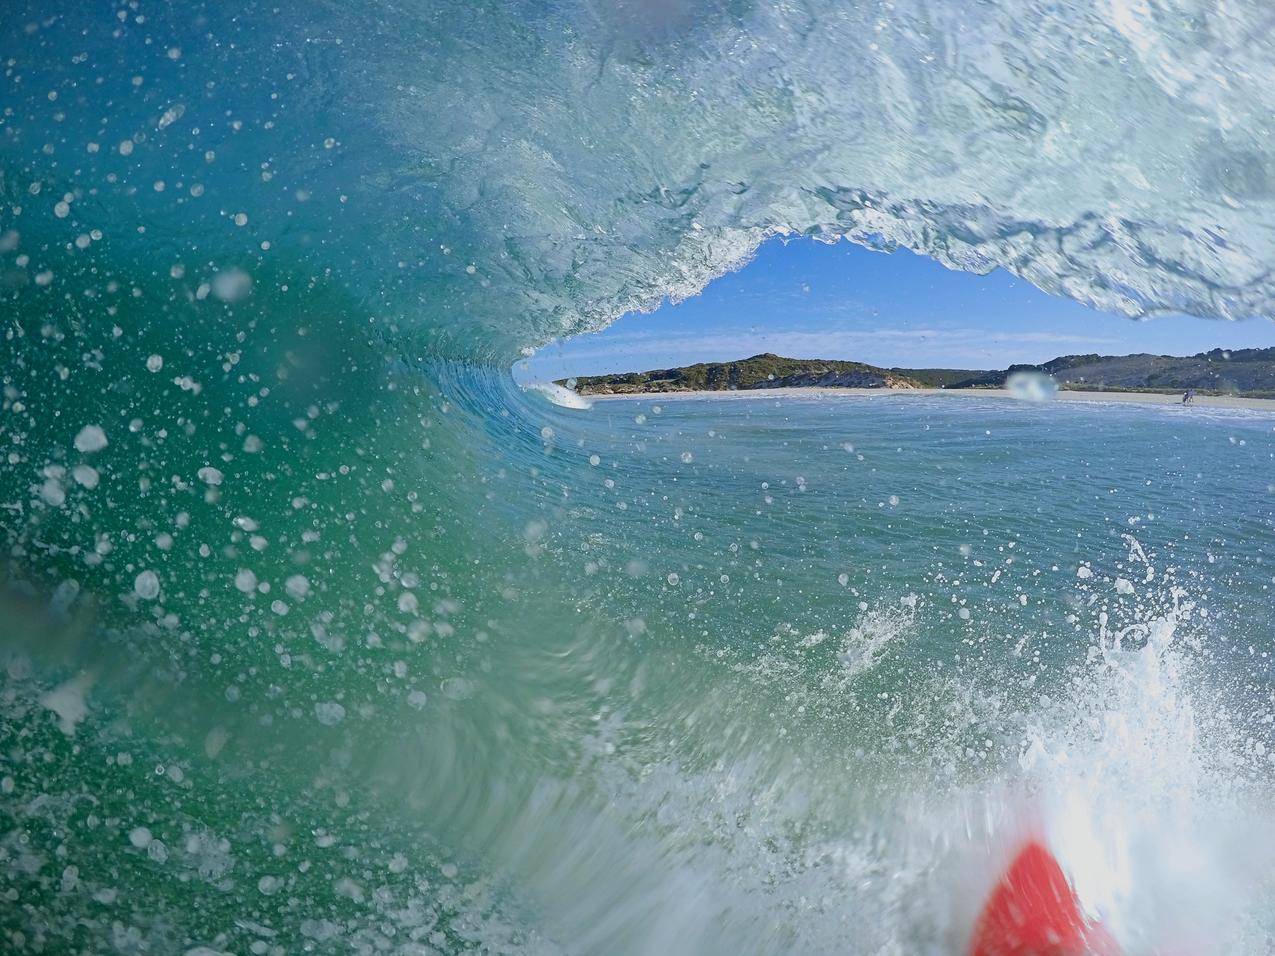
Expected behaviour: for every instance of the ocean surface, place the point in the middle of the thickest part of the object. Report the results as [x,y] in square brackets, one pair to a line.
[320,635]
[729,676]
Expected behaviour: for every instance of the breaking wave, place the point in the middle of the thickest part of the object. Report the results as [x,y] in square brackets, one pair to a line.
[319,632]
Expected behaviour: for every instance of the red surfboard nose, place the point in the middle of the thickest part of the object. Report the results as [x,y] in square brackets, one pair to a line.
[1033,911]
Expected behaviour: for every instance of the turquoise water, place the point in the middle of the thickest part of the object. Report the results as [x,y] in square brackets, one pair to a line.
[729,676]
[319,635]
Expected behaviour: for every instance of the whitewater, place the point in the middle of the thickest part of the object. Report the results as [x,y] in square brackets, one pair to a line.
[319,634]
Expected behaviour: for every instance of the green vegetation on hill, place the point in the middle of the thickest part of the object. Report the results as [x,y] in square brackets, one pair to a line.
[760,371]
[1248,372]
[942,377]
[1239,372]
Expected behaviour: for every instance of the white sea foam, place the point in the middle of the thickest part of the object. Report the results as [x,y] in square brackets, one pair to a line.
[563,397]
[1143,780]
[873,633]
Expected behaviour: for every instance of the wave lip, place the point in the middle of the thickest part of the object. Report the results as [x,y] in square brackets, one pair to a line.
[525,173]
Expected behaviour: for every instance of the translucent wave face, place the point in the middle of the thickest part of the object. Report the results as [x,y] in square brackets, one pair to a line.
[504,174]
[1116,153]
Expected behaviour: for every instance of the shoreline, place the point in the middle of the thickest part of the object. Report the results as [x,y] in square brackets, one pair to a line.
[1131,398]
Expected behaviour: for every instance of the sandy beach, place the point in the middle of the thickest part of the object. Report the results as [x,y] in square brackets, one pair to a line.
[1136,398]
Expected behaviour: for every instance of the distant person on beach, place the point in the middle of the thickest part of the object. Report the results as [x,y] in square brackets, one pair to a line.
[1189,397]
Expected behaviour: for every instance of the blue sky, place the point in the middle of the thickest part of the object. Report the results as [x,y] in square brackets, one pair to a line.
[808,299]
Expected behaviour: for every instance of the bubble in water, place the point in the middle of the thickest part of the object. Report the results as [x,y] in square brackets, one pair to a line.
[53,492]
[85,475]
[1031,386]
[329,713]
[232,285]
[91,438]
[146,585]
[140,837]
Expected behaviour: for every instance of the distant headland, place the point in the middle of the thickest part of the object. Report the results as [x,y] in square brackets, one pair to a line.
[1242,372]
